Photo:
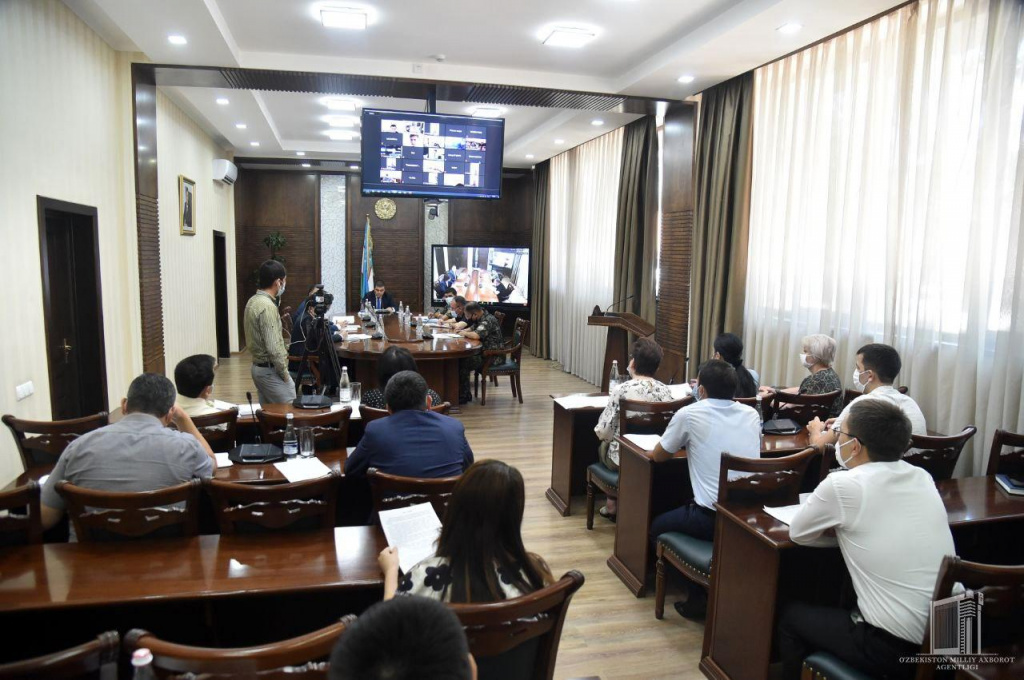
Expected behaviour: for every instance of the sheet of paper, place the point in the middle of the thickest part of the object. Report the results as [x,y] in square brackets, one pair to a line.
[413,530]
[446,336]
[352,328]
[644,441]
[338,320]
[244,410]
[680,391]
[222,460]
[784,514]
[357,336]
[337,406]
[301,469]
[574,401]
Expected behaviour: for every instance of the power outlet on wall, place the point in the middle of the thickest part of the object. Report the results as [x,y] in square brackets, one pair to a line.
[24,390]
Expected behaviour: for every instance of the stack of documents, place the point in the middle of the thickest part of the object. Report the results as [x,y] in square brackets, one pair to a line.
[414,531]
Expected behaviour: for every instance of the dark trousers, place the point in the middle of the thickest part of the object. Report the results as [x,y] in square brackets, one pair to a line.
[805,629]
[466,368]
[692,519]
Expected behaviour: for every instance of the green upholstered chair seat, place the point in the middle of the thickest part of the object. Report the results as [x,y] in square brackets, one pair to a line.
[604,475]
[507,367]
[689,550]
[828,667]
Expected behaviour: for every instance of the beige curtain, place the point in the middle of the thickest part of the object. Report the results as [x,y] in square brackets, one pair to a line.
[721,224]
[540,342]
[636,228]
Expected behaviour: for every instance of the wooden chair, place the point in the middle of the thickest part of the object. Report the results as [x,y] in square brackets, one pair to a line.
[259,508]
[803,408]
[766,405]
[20,519]
[938,455]
[392,491]
[368,414]
[40,442]
[637,417]
[850,395]
[109,515]
[95,659]
[327,427]
[500,316]
[771,481]
[220,429]
[1011,462]
[512,366]
[310,372]
[519,638]
[307,652]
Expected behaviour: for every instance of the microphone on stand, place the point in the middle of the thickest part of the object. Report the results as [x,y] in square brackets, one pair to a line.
[619,302]
[248,396]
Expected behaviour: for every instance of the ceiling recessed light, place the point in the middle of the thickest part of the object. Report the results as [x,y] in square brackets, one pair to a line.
[300,153]
[597,121]
[486,112]
[306,165]
[565,36]
[351,18]
[254,143]
[223,101]
[338,104]
[559,141]
[354,166]
[177,40]
[686,80]
[789,28]
[341,121]
[241,126]
[341,135]
[529,155]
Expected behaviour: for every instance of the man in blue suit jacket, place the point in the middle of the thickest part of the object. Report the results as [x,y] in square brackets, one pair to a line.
[413,441]
[379,298]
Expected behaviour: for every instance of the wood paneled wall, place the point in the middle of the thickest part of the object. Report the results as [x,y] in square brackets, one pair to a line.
[505,222]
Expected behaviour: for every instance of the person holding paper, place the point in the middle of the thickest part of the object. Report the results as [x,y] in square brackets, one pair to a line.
[480,554]
[643,362]
[394,360]
[893,531]
[413,441]
[705,429]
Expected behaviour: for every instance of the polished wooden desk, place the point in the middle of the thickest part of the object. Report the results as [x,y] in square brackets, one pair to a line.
[573,448]
[647,489]
[437,360]
[754,559]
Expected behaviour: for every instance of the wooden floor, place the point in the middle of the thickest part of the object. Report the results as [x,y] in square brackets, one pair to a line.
[609,633]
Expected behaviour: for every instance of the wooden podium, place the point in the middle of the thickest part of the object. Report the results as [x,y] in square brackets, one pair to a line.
[620,325]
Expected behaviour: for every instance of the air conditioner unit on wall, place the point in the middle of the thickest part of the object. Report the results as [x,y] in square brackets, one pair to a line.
[224,171]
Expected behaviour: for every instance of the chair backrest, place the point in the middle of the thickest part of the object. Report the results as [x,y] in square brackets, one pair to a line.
[110,515]
[500,316]
[392,491]
[255,508]
[20,522]
[938,455]
[1011,462]
[850,395]
[368,414]
[520,337]
[1001,621]
[803,408]
[766,405]
[95,659]
[40,442]
[171,659]
[519,638]
[310,372]
[220,429]
[330,426]
[648,417]
[768,481]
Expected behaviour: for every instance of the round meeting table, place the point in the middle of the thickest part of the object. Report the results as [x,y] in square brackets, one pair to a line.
[437,359]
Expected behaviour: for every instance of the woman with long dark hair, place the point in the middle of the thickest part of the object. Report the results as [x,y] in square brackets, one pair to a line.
[480,555]
[393,361]
[729,348]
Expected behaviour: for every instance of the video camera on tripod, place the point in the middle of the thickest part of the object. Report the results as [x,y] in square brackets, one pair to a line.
[321,301]
[318,341]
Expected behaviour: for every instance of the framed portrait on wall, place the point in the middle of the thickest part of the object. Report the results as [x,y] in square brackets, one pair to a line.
[187,205]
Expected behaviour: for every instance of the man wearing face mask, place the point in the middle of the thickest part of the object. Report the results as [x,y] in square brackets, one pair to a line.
[892,529]
[877,368]
[263,336]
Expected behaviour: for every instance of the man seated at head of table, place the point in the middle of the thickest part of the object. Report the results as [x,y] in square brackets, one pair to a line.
[642,386]
[893,531]
[877,366]
[379,298]
[413,441]
[705,429]
[193,378]
[137,453]
[394,360]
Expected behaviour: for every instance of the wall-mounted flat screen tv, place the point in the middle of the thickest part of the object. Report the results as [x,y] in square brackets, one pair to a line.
[427,155]
[485,274]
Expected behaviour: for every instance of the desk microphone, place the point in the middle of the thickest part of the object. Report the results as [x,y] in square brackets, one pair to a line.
[254,453]
[248,396]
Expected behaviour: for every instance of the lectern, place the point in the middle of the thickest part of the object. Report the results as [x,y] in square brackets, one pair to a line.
[616,348]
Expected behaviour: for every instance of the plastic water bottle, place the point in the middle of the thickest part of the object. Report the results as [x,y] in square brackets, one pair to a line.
[291,440]
[344,386]
[400,308]
[142,664]
[760,409]
[613,377]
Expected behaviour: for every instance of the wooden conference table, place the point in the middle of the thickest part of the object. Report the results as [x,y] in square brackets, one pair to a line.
[758,569]
[437,360]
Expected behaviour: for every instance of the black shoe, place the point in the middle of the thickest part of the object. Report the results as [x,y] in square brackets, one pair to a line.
[465,399]
[695,608]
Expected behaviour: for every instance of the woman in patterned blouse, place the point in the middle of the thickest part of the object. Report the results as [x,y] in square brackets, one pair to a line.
[480,555]
[817,354]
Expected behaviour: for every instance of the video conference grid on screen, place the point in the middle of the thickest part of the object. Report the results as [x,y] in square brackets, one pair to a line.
[436,155]
[482,274]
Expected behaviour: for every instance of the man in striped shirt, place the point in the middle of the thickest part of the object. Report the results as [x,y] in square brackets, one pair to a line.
[265,340]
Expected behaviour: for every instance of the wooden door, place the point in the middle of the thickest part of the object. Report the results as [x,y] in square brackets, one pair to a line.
[220,292]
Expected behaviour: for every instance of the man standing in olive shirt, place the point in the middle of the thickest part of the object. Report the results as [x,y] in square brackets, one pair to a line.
[264,338]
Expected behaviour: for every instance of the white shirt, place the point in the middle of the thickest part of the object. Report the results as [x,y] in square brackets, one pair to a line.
[196,406]
[892,395]
[707,429]
[893,531]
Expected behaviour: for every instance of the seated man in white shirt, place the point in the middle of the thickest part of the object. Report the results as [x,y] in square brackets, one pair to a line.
[193,378]
[706,429]
[893,531]
[876,369]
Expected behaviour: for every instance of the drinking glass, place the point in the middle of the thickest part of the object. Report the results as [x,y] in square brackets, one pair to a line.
[307,442]
[357,391]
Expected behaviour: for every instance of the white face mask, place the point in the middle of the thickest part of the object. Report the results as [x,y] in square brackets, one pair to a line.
[280,291]
[857,384]
[805,359]
[839,456]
